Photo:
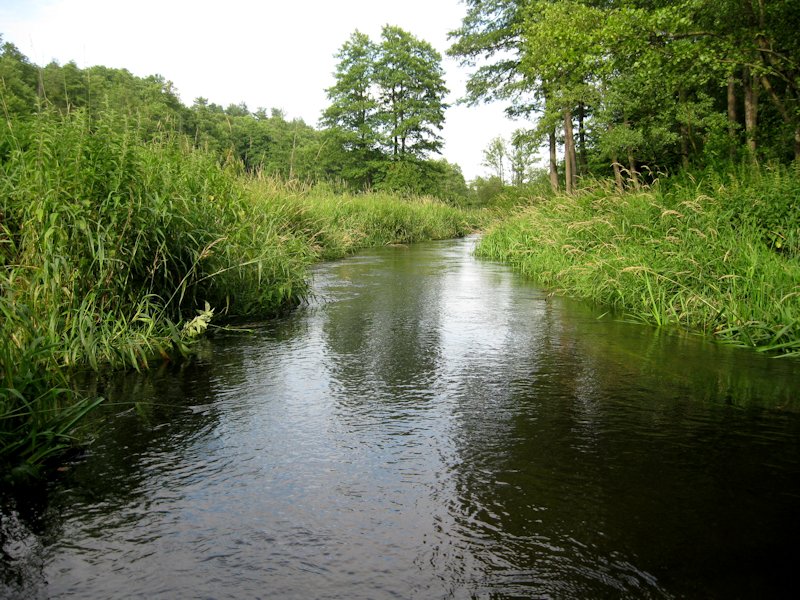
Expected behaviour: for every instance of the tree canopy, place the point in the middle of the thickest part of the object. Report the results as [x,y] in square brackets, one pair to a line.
[630,85]
[387,106]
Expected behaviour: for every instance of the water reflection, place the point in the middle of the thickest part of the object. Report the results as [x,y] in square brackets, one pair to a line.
[430,426]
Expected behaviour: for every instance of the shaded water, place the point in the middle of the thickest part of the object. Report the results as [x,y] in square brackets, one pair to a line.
[431,426]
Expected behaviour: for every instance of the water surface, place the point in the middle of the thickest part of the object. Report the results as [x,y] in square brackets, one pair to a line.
[430,426]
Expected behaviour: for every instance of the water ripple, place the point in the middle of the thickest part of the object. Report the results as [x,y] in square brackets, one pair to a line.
[431,427]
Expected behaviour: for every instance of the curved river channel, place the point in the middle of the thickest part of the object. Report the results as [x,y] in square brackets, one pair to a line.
[429,426]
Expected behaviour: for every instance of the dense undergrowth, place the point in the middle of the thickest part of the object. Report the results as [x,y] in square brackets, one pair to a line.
[115,252]
[718,254]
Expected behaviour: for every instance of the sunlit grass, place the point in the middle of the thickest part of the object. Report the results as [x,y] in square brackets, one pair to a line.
[713,257]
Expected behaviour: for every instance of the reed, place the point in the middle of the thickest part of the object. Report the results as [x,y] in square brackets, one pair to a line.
[110,246]
[334,225]
[719,256]
[38,408]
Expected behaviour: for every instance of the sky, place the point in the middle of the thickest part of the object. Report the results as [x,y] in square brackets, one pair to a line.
[271,54]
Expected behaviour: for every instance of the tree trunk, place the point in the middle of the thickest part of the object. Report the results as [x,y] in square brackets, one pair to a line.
[583,160]
[797,144]
[632,173]
[617,173]
[684,127]
[732,116]
[785,114]
[569,153]
[750,111]
[553,161]
[632,166]
[573,158]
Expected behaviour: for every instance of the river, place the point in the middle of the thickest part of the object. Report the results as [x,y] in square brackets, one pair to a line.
[428,426]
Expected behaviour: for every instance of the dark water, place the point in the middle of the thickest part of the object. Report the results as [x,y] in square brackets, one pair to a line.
[430,426]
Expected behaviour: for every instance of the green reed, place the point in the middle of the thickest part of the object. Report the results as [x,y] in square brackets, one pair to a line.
[334,225]
[719,256]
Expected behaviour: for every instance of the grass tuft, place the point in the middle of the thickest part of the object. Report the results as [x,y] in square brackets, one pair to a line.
[721,258]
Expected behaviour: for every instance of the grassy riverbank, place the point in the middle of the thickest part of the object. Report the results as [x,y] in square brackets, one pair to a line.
[720,256]
[115,252]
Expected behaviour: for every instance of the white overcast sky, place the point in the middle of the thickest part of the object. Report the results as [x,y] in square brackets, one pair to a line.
[265,53]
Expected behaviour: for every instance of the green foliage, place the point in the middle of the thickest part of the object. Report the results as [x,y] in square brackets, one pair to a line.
[514,157]
[669,85]
[421,177]
[494,157]
[386,111]
[17,81]
[336,225]
[490,38]
[764,200]
[411,90]
[485,190]
[38,410]
[354,107]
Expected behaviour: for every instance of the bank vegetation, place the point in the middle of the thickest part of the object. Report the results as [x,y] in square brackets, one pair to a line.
[719,254]
[117,248]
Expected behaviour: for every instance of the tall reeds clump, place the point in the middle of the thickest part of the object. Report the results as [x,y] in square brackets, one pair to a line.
[335,225]
[109,239]
[107,244]
[38,408]
[699,256]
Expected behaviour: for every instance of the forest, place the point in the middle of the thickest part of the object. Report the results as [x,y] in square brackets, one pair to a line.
[633,89]
[264,140]
[131,224]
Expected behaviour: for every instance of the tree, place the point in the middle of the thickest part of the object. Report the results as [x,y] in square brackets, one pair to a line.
[562,50]
[353,104]
[494,157]
[18,78]
[352,115]
[491,40]
[523,148]
[411,90]
[63,86]
[641,82]
[387,104]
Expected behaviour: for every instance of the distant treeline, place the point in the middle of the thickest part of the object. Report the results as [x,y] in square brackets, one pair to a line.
[263,140]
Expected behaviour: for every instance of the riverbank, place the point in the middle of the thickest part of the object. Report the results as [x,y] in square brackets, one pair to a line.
[719,255]
[115,252]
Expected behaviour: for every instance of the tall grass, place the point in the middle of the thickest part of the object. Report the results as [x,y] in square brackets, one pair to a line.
[719,256]
[109,240]
[110,246]
[38,409]
[334,225]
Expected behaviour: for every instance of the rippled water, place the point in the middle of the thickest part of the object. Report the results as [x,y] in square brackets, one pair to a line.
[430,426]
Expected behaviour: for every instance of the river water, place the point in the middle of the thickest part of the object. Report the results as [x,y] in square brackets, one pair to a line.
[429,426]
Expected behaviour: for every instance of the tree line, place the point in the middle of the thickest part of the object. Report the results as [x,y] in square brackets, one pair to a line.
[630,87]
[383,135]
